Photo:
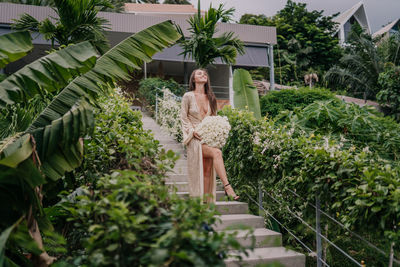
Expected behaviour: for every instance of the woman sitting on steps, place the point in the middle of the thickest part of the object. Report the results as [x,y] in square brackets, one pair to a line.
[203,161]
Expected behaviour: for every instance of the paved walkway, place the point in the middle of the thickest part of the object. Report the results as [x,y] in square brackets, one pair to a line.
[268,246]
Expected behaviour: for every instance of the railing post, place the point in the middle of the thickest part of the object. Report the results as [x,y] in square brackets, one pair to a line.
[260,199]
[318,231]
[156,106]
[391,257]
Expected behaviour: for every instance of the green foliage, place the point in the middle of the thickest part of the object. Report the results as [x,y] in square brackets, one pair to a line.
[119,142]
[362,63]
[14,46]
[245,93]
[357,186]
[202,46]
[363,126]
[47,74]
[132,219]
[276,101]
[239,159]
[56,134]
[77,22]
[358,69]
[389,96]
[305,39]
[148,88]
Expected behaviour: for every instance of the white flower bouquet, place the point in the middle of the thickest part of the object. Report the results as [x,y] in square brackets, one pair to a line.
[214,130]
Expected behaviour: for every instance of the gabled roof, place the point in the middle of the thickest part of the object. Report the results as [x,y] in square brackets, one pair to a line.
[386,28]
[159,8]
[358,11]
[128,23]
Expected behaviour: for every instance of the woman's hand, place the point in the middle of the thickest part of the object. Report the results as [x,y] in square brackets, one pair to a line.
[196,135]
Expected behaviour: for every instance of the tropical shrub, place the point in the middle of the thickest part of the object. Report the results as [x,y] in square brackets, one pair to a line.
[361,126]
[131,219]
[117,142]
[276,101]
[53,141]
[148,88]
[389,96]
[355,185]
[169,115]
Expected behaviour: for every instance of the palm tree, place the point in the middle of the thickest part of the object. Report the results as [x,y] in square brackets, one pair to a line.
[359,68]
[52,144]
[202,46]
[77,21]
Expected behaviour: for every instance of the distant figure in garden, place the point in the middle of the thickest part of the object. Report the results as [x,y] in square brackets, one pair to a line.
[203,161]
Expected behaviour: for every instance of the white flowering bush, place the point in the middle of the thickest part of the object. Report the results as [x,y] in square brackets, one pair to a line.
[214,130]
[351,182]
[169,115]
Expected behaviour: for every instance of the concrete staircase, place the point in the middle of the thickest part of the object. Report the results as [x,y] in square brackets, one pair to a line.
[268,244]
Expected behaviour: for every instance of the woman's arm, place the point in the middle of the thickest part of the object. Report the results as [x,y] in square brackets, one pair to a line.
[187,127]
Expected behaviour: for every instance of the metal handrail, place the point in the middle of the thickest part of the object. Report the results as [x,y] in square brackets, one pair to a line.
[290,232]
[317,230]
[344,227]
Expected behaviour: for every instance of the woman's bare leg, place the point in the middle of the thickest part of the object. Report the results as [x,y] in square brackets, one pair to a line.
[207,169]
[218,162]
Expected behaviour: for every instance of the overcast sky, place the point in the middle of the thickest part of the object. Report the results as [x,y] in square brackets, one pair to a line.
[379,12]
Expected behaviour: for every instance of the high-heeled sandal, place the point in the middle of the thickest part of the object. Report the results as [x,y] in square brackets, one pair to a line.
[236,197]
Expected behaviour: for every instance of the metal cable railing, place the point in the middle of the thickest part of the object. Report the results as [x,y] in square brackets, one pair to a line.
[317,229]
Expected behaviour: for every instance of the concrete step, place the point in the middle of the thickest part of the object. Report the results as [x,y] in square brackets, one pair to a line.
[176,178]
[220,187]
[236,221]
[220,195]
[281,255]
[231,207]
[180,186]
[179,170]
[172,146]
[263,238]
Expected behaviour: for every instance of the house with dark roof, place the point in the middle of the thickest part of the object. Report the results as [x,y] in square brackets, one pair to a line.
[258,40]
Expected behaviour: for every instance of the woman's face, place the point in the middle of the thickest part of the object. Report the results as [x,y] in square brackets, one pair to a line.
[200,76]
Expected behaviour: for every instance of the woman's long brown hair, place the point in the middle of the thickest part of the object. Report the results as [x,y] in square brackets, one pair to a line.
[208,90]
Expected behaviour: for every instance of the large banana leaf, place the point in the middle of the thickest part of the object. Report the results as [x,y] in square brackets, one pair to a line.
[19,148]
[14,46]
[116,64]
[58,143]
[245,93]
[51,73]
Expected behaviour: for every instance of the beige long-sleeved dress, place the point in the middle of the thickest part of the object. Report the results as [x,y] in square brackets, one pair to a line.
[190,117]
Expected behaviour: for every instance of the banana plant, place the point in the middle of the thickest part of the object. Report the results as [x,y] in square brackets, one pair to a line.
[245,94]
[14,46]
[52,144]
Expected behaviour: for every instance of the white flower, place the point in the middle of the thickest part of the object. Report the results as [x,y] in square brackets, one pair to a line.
[169,115]
[214,130]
